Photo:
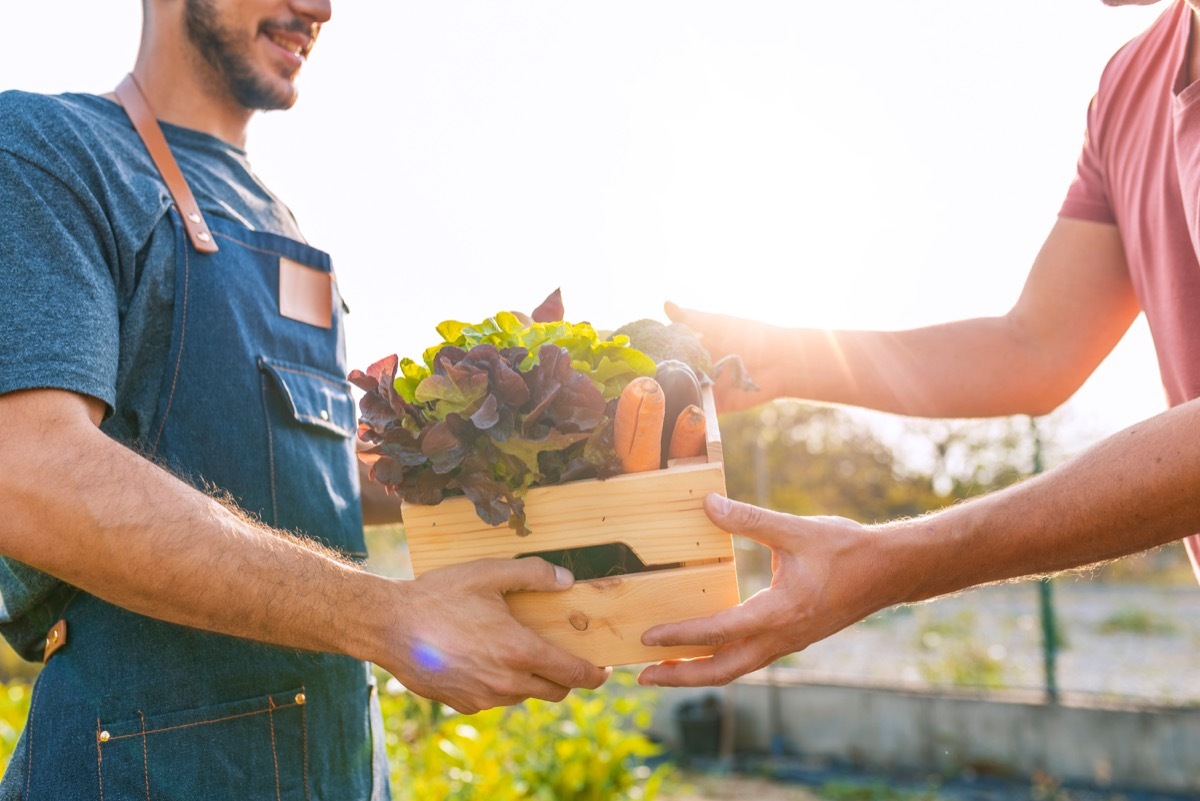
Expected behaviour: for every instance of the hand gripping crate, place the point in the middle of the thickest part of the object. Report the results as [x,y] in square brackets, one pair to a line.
[658,515]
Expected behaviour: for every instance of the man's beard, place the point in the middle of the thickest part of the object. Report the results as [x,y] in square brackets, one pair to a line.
[219,48]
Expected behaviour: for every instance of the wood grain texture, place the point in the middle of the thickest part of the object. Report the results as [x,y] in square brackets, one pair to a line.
[659,514]
[602,620]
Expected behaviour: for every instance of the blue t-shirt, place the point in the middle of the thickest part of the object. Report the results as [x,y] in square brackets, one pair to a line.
[87,271]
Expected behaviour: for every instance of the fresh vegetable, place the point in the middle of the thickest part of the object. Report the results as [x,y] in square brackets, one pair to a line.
[638,425]
[681,388]
[663,342]
[687,434]
[550,310]
[495,408]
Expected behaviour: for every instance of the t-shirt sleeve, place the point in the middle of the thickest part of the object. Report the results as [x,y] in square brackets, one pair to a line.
[1087,197]
[59,310]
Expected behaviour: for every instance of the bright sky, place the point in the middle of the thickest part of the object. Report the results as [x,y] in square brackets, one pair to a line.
[867,164]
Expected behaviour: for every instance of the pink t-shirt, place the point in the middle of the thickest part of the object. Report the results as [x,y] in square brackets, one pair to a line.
[1140,169]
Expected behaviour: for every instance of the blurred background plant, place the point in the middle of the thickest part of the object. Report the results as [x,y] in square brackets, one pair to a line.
[590,747]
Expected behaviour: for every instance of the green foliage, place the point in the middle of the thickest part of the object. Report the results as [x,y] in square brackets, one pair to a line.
[497,407]
[14,708]
[820,461]
[874,791]
[590,747]
[610,363]
[587,748]
[1136,621]
[824,460]
[13,666]
[953,656]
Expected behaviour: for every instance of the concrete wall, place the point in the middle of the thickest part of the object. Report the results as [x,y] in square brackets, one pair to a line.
[949,733]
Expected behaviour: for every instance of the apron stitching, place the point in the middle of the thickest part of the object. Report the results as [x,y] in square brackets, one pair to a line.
[116,737]
[270,447]
[264,251]
[29,731]
[145,756]
[339,384]
[179,359]
[274,751]
[70,600]
[304,734]
[99,759]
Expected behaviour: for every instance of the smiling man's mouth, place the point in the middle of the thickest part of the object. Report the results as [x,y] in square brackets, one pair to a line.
[292,35]
[297,46]
[285,44]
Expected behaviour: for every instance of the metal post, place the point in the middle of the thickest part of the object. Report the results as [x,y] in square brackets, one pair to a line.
[762,492]
[1049,641]
[1045,599]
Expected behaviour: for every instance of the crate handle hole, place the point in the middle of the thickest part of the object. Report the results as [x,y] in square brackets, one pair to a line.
[598,561]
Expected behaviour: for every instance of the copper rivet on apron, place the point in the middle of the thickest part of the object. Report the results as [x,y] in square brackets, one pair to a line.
[194,217]
[203,236]
[105,737]
[300,698]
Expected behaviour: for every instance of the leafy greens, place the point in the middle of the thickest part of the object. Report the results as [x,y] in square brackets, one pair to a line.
[497,407]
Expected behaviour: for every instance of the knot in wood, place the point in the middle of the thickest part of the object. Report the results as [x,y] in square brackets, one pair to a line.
[579,620]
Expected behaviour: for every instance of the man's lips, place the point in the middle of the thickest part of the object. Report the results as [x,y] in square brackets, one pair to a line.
[296,45]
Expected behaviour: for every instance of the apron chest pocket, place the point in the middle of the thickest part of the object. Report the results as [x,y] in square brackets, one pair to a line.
[257,745]
[310,422]
[312,397]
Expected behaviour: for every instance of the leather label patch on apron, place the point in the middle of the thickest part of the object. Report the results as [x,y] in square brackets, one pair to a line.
[305,294]
[55,638]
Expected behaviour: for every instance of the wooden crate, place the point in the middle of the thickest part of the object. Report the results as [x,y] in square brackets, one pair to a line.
[657,514]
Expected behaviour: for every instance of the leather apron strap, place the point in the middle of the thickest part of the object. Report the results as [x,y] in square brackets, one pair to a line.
[135,105]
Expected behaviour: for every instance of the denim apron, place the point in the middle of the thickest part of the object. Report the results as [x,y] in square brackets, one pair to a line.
[255,405]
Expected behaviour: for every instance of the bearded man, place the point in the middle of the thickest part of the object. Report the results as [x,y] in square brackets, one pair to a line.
[182,539]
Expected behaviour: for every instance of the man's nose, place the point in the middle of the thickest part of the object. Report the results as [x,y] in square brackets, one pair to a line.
[319,11]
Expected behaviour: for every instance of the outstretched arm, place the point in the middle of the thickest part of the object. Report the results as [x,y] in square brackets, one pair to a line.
[1076,305]
[83,508]
[1133,491]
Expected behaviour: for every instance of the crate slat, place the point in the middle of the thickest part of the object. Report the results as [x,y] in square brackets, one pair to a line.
[659,514]
[602,620]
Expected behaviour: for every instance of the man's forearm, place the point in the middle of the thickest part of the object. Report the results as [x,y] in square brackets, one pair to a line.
[1133,491]
[99,516]
[91,512]
[963,369]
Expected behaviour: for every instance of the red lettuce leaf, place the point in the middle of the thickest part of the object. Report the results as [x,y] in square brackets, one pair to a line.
[550,310]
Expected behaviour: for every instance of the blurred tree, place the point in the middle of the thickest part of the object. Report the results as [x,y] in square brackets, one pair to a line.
[812,459]
[815,459]
[818,459]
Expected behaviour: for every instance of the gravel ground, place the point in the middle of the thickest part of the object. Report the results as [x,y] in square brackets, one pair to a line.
[1122,642]
[707,787]
[1133,643]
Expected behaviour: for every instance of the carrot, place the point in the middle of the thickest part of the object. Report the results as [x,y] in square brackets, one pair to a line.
[638,424]
[687,438]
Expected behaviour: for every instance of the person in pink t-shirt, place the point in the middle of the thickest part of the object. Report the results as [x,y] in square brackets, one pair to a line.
[1126,241]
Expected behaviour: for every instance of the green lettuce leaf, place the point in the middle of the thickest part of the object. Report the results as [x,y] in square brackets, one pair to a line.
[495,408]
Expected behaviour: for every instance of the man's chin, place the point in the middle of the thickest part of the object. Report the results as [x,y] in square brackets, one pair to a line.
[276,95]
